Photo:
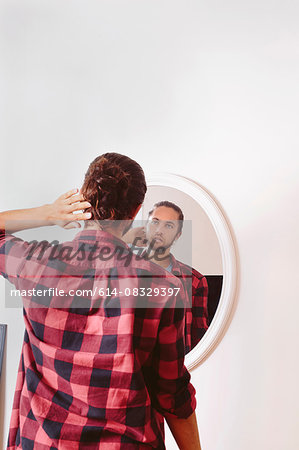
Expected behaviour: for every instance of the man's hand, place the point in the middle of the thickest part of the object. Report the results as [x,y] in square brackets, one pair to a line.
[137,235]
[62,211]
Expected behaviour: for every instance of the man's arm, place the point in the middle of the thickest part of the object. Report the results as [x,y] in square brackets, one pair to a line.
[22,219]
[59,212]
[174,395]
[185,431]
[13,250]
[135,236]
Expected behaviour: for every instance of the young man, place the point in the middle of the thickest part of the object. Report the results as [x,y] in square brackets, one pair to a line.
[163,228]
[96,369]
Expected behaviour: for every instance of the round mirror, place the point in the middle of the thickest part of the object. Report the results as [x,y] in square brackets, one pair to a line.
[205,245]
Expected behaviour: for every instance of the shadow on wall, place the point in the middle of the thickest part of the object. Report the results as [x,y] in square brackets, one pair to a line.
[214,293]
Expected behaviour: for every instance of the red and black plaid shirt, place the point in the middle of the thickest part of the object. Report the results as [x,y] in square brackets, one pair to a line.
[196,315]
[196,287]
[95,376]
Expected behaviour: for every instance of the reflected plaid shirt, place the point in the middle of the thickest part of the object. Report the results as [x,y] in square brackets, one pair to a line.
[96,377]
[196,286]
[196,315]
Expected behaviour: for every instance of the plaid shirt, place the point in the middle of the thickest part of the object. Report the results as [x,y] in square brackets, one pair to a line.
[196,314]
[96,377]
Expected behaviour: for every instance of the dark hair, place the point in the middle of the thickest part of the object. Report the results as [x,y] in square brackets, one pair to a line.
[170,205]
[115,186]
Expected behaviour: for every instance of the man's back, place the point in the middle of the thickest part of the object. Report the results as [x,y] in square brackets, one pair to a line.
[98,360]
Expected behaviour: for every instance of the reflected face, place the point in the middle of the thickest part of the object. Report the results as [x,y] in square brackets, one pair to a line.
[162,227]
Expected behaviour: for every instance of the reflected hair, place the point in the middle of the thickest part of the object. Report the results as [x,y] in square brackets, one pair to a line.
[169,205]
[115,186]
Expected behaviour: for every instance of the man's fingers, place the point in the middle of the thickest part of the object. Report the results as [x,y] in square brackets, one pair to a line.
[76,217]
[79,206]
[74,198]
[70,225]
[69,193]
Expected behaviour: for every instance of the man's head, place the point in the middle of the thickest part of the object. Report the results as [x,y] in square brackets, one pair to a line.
[164,224]
[115,186]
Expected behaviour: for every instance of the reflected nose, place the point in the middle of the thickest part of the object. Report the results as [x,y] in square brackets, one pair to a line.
[159,232]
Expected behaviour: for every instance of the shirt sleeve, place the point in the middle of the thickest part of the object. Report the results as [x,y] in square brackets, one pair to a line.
[14,252]
[199,323]
[174,394]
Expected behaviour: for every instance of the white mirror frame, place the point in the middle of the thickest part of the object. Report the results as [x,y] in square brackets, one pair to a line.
[203,198]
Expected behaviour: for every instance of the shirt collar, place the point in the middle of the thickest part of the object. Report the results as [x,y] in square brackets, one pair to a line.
[99,236]
[175,269]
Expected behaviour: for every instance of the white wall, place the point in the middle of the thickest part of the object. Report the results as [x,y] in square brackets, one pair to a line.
[206,89]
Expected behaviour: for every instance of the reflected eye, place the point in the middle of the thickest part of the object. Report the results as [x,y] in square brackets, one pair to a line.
[169,225]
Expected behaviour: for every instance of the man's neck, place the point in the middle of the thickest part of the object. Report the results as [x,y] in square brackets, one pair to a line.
[115,231]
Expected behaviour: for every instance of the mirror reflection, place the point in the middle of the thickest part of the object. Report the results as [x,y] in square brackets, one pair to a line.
[164,216]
